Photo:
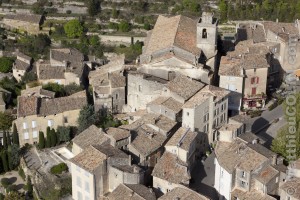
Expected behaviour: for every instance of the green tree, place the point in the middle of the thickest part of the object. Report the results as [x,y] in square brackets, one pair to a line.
[115,13]
[41,140]
[55,87]
[53,138]
[282,140]
[87,117]
[6,64]
[93,7]
[48,140]
[5,121]
[29,187]
[29,77]
[72,89]
[147,26]
[10,164]
[14,157]
[223,10]
[4,160]
[4,140]
[8,139]
[64,133]
[94,40]
[73,28]
[124,26]
[15,135]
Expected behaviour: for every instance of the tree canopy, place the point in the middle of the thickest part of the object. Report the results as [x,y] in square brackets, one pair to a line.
[6,64]
[73,28]
[5,121]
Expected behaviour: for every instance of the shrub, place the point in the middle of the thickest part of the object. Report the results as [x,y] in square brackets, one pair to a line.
[11,188]
[58,169]
[2,196]
[5,182]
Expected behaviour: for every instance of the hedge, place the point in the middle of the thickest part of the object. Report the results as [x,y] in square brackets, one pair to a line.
[58,169]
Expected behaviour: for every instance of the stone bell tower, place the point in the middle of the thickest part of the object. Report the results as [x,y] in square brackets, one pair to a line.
[207,34]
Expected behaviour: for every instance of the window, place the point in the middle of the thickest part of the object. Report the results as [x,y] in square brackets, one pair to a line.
[33,124]
[140,88]
[187,113]
[206,117]
[50,122]
[26,136]
[78,182]
[243,174]
[231,78]
[204,33]
[257,80]
[79,195]
[65,119]
[34,134]
[231,87]
[253,91]
[87,187]
[222,173]
[253,80]
[117,96]
[25,125]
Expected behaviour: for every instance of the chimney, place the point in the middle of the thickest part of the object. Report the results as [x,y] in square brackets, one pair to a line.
[277,20]
[129,160]
[254,141]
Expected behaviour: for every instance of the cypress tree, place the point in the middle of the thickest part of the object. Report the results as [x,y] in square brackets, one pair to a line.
[53,138]
[41,140]
[4,160]
[15,135]
[48,140]
[8,140]
[10,164]
[29,187]
[4,140]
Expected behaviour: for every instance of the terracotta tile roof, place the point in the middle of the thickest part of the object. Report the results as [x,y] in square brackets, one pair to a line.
[266,174]
[293,183]
[118,133]
[178,31]
[62,104]
[90,136]
[183,138]
[27,106]
[280,27]
[238,155]
[167,102]
[101,90]
[171,169]
[250,195]
[147,135]
[89,159]
[231,125]
[117,80]
[182,193]
[205,93]
[46,71]
[131,192]
[20,65]
[35,19]
[253,31]
[67,54]
[230,67]
[111,152]
[184,86]
[252,61]
[37,91]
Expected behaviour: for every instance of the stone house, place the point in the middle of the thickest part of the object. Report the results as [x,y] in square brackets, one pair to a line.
[246,76]
[243,169]
[183,192]
[169,173]
[35,114]
[119,138]
[186,145]
[131,191]
[289,187]
[108,91]
[65,66]
[153,130]
[284,35]
[142,89]
[206,111]
[29,23]
[100,169]
[90,136]
[22,65]
[180,45]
